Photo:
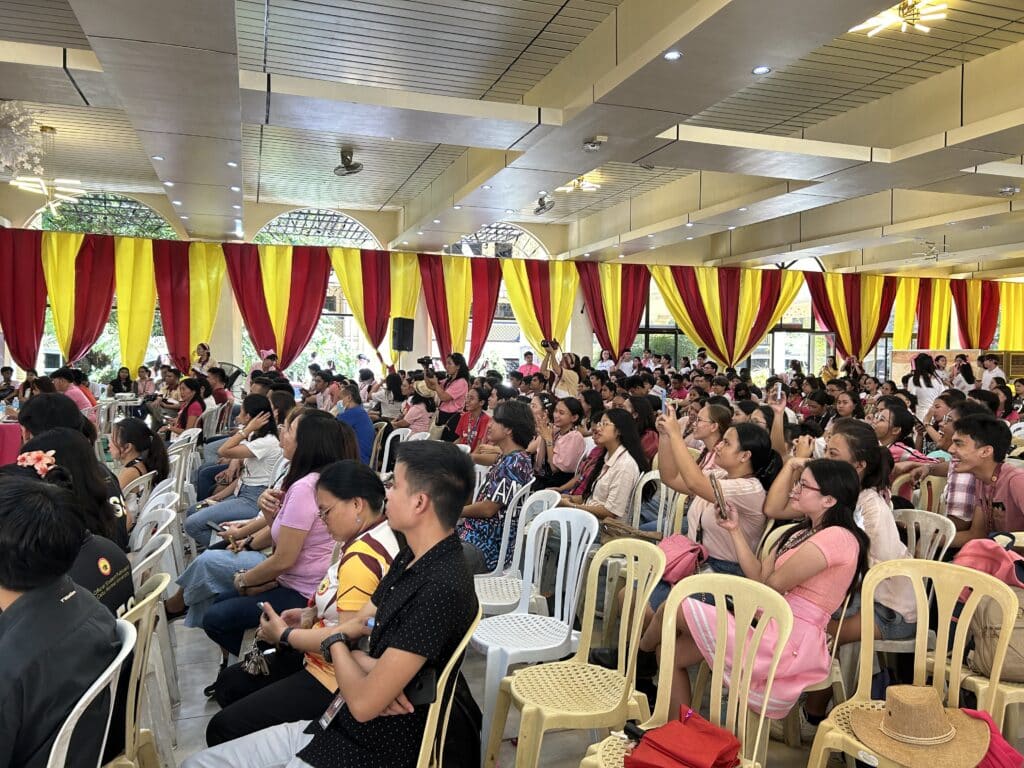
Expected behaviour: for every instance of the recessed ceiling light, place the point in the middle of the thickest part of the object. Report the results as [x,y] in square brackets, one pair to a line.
[232,164]
[157,157]
[437,221]
[168,183]
[673,55]
[542,193]
[743,208]
[405,242]
[176,202]
[731,228]
[586,254]
[237,207]
[953,223]
[486,186]
[652,247]
[622,255]
[236,189]
[761,69]
[689,237]
[184,218]
[650,235]
[509,211]
[689,223]
[419,233]
[457,207]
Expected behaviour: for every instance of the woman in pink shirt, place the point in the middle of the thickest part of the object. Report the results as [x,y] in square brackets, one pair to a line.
[190,395]
[418,410]
[451,393]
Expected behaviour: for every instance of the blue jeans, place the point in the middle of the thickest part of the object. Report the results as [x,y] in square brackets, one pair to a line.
[232,614]
[210,449]
[662,588]
[240,507]
[205,483]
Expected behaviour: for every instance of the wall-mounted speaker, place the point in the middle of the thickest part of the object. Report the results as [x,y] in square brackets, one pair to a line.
[401,334]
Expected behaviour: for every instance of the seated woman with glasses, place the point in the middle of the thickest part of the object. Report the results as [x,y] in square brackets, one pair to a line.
[814,566]
[221,587]
[300,684]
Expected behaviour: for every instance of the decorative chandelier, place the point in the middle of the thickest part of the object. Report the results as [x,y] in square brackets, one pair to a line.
[578,184]
[909,13]
[21,149]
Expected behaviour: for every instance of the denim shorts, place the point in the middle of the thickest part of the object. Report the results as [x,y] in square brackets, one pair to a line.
[713,564]
[891,625]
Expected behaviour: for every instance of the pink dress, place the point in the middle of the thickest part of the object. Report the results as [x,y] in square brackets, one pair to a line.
[805,659]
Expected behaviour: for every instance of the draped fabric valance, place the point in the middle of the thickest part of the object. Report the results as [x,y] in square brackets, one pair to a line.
[855,307]
[280,293]
[615,296]
[728,310]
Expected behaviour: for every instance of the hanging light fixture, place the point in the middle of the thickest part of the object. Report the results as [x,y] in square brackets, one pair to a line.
[56,191]
[908,14]
[578,184]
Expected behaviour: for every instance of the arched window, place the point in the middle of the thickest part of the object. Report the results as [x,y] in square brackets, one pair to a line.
[316,226]
[487,241]
[105,213]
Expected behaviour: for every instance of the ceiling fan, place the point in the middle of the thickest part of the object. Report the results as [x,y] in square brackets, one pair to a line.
[348,165]
[930,250]
[579,184]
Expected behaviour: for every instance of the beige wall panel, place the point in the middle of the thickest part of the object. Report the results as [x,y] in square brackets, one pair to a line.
[576,72]
[925,108]
[847,216]
[608,223]
[766,234]
[640,20]
[721,187]
[674,199]
[909,204]
[992,84]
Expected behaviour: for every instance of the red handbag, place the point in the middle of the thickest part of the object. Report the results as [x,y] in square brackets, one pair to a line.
[683,557]
[689,742]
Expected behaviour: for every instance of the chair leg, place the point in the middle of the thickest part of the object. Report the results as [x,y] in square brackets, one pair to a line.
[819,754]
[531,733]
[500,715]
[497,668]
[701,685]
[166,650]
[791,728]
[610,617]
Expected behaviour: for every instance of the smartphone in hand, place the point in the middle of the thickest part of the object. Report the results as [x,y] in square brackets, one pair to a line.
[716,489]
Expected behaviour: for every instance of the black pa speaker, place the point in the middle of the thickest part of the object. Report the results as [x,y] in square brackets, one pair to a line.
[401,334]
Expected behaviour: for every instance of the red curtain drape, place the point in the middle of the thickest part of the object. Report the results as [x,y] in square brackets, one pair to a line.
[94,293]
[311,269]
[625,309]
[243,265]
[977,311]
[376,295]
[486,282]
[854,307]
[432,273]
[171,270]
[22,294]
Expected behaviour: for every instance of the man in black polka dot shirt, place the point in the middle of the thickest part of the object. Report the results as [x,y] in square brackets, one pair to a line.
[422,609]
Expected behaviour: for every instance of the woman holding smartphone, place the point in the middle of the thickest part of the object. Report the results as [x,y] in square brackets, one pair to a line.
[451,393]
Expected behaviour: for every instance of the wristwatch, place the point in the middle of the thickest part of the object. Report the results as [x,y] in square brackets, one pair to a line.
[325,646]
[283,640]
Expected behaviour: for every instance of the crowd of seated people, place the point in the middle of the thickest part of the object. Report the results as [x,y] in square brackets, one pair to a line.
[357,596]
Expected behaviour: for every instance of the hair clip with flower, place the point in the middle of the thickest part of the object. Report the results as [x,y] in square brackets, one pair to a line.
[41,461]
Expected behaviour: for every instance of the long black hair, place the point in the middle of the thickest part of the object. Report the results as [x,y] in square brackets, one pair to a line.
[254,405]
[764,460]
[864,446]
[643,413]
[964,368]
[72,451]
[351,479]
[460,362]
[152,449]
[196,388]
[320,439]
[629,437]
[838,480]
[924,368]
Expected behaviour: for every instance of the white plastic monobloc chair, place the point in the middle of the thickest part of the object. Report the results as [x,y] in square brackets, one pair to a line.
[147,560]
[137,492]
[498,592]
[400,434]
[164,500]
[521,637]
[150,524]
[107,681]
[508,528]
[418,436]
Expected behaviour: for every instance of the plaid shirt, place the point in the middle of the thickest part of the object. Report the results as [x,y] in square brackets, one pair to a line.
[960,495]
[904,452]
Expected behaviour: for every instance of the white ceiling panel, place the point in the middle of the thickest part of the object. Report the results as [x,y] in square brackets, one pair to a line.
[285,165]
[492,50]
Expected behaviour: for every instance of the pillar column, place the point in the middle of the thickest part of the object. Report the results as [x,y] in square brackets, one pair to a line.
[226,336]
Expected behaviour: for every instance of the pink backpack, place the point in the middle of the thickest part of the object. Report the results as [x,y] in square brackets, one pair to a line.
[683,557]
[1001,753]
[993,558]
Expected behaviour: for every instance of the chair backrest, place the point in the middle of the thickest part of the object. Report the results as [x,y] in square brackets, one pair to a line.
[188,437]
[419,436]
[771,537]
[748,599]
[538,501]
[508,528]
[901,484]
[928,534]
[642,565]
[577,530]
[106,681]
[164,500]
[378,441]
[224,418]
[654,476]
[672,518]
[432,744]
[932,489]
[399,434]
[481,478]
[143,616]
[209,419]
[136,493]
[949,583]
[148,558]
[151,523]
[167,484]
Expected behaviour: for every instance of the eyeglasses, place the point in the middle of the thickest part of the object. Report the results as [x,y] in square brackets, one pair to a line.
[800,486]
[323,513]
[947,418]
[699,420]
[388,480]
[879,417]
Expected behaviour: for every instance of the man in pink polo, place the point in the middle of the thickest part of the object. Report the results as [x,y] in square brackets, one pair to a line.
[63,382]
[528,368]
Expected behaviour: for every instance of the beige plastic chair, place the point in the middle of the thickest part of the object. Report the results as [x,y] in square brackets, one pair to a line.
[575,693]
[378,439]
[749,599]
[947,581]
[932,489]
[928,534]
[139,744]
[432,745]
[900,484]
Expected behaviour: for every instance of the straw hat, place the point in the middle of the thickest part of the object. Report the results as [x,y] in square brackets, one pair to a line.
[915,730]
[423,390]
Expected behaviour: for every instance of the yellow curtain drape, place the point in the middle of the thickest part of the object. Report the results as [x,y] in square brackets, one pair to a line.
[610,277]
[563,280]
[667,285]
[348,266]
[276,268]
[1011,321]
[458,291]
[135,284]
[206,268]
[59,252]
[941,312]
[837,300]
[905,312]
[513,272]
[748,333]
[405,291]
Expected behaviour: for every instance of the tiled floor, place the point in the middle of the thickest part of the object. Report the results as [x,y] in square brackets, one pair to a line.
[197,666]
